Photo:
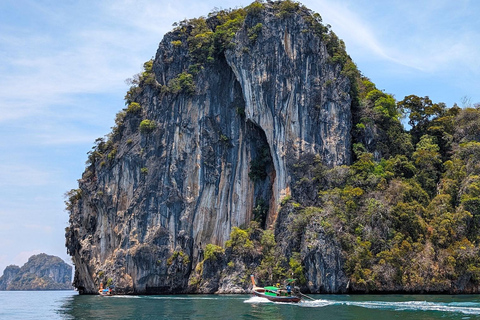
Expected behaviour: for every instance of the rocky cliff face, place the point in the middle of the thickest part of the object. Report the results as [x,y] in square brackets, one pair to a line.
[9,274]
[41,272]
[213,129]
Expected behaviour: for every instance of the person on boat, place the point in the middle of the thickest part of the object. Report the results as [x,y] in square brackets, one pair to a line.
[289,289]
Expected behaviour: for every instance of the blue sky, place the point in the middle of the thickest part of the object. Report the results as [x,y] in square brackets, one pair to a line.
[63,65]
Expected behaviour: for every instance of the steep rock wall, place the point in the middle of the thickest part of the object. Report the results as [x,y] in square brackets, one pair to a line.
[293,94]
[143,213]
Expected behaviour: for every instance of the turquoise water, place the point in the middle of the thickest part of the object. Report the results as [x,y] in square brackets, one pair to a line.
[69,305]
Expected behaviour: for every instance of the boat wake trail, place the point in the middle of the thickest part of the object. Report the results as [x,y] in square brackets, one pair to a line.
[257,300]
[472,308]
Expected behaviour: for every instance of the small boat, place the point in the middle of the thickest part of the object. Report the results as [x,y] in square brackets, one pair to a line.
[274,294]
[105,291]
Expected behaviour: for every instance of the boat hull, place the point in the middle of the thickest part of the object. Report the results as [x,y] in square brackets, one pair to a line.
[293,299]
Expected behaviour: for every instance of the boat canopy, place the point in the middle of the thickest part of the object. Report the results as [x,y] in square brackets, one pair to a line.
[271,288]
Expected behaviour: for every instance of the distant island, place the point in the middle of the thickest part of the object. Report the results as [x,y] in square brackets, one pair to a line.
[41,272]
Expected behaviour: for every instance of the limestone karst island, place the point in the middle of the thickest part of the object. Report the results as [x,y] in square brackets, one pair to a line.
[252,144]
[40,272]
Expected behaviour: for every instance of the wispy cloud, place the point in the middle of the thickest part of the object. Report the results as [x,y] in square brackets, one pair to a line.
[41,76]
[45,81]
[425,35]
[426,47]
[358,31]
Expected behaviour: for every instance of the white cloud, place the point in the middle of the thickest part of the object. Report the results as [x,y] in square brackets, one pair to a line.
[426,47]
[43,76]
[46,82]
[431,36]
[345,21]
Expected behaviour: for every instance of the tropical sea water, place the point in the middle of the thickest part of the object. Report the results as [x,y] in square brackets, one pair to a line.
[69,305]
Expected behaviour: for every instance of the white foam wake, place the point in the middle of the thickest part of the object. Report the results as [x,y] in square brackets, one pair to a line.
[472,308]
[255,299]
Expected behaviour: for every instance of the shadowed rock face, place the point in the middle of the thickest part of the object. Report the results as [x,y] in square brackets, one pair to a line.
[142,216]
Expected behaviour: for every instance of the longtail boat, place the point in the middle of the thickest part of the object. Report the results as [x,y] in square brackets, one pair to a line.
[273,293]
[105,291]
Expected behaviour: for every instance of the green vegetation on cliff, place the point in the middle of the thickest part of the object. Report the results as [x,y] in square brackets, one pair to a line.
[248,251]
[406,210]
